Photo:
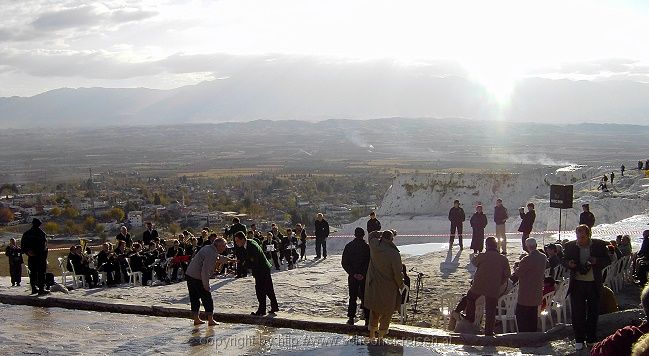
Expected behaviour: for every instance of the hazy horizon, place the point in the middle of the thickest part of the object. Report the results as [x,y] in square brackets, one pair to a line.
[551,62]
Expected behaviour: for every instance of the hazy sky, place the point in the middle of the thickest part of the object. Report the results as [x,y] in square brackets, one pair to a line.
[165,44]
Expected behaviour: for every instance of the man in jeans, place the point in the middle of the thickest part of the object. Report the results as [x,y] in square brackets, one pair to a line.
[585,258]
[355,260]
[321,233]
[198,275]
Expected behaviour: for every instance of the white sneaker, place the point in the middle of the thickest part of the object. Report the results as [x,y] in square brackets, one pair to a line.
[579,346]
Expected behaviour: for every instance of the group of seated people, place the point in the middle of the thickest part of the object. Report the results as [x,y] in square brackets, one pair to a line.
[280,247]
[554,254]
[153,254]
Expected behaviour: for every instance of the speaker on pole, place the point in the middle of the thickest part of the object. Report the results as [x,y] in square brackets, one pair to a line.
[561,196]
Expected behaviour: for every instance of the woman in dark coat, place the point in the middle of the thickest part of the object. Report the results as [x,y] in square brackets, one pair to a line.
[478,223]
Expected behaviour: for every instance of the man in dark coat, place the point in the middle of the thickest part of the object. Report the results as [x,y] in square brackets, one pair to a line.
[34,244]
[256,261]
[500,218]
[457,217]
[373,224]
[527,222]
[355,260]
[321,233]
[124,236]
[491,274]
[586,217]
[149,234]
[478,224]
[585,258]
[236,227]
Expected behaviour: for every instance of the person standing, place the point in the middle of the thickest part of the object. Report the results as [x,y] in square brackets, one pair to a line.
[500,218]
[15,257]
[321,233]
[124,236]
[585,258]
[530,273]
[149,234]
[236,227]
[270,247]
[301,233]
[34,244]
[491,274]
[384,282]
[198,275]
[373,224]
[478,223]
[622,168]
[586,217]
[457,217]
[612,177]
[256,261]
[355,260]
[527,222]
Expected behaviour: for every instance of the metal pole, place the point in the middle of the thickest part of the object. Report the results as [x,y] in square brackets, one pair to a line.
[560,224]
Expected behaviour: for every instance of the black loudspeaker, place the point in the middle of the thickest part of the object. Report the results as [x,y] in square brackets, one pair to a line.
[561,196]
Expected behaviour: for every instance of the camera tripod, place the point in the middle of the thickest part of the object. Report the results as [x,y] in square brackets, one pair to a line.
[419,285]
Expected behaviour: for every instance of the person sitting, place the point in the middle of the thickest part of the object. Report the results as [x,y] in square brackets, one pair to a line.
[270,249]
[79,264]
[175,251]
[621,341]
[642,260]
[492,273]
[624,245]
[292,246]
[553,257]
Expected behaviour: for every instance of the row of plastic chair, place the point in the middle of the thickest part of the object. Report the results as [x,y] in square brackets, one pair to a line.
[616,273]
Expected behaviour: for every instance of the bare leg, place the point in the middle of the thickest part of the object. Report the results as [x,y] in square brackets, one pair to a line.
[210,320]
[197,320]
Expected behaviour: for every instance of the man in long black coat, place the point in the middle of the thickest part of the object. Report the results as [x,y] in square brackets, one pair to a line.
[34,244]
[527,222]
[355,260]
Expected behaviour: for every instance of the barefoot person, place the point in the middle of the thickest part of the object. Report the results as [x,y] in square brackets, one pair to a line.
[198,279]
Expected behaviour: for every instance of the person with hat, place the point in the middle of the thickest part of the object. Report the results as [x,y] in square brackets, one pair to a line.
[456,217]
[586,217]
[355,260]
[34,244]
[478,223]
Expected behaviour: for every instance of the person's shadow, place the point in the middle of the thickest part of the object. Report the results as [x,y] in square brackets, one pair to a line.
[384,350]
[450,264]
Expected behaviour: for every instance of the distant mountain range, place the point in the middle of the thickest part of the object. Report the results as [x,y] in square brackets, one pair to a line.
[315,96]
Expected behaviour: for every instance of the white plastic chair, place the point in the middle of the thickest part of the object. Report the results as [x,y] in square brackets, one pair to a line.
[559,301]
[134,278]
[65,274]
[607,273]
[404,306]
[545,313]
[447,303]
[506,309]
